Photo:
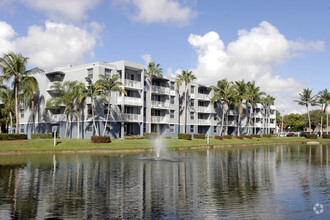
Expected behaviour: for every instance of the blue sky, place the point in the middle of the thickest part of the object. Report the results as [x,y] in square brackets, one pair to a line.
[282,45]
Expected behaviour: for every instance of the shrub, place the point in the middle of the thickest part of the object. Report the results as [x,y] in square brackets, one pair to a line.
[101,139]
[13,136]
[218,137]
[184,136]
[256,135]
[247,136]
[199,136]
[150,135]
[239,137]
[326,136]
[42,136]
[267,135]
[311,136]
[227,137]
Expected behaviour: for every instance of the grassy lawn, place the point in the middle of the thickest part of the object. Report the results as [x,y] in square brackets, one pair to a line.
[44,145]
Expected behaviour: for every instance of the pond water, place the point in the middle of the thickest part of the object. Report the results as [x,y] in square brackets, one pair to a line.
[268,182]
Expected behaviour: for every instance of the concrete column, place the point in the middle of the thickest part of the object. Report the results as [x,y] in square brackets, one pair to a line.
[141,129]
[122,127]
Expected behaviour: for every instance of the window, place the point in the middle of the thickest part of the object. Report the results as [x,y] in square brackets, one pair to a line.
[172,85]
[192,89]
[90,128]
[22,112]
[90,73]
[107,72]
[191,128]
[89,109]
[172,128]
[192,115]
[215,117]
[108,127]
[215,129]
[192,102]
[172,100]
[22,128]
[172,113]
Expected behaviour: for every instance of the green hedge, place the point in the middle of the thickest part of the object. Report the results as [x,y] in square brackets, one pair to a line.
[247,136]
[311,136]
[101,139]
[326,136]
[239,137]
[227,137]
[218,137]
[256,135]
[42,136]
[150,135]
[184,136]
[133,137]
[267,135]
[13,136]
[199,136]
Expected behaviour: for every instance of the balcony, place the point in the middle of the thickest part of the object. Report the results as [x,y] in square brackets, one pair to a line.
[204,121]
[203,96]
[258,125]
[160,104]
[132,117]
[133,84]
[204,109]
[49,86]
[161,90]
[160,119]
[129,101]
[232,123]
[232,112]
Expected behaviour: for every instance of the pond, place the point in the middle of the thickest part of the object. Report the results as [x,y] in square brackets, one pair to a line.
[264,182]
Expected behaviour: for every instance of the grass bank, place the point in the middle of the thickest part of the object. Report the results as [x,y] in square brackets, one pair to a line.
[84,145]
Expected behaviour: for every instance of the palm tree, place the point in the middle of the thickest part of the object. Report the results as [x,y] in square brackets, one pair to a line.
[324,98]
[222,93]
[78,92]
[240,96]
[92,91]
[65,97]
[153,71]
[7,96]
[185,77]
[108,85]
[268,101]
[14,68]
[306,98]
[30,88]
[253,97]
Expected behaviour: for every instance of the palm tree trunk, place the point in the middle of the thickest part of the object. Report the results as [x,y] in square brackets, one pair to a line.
[251,109]
[11,122]
[327,119]
[226,130]
[149,109]
[78,121]
[96,132]
[239,120]
[185,110]
[223,117]
[309,119]
[108,112]
[16,107]
[66,124]
[33,116]
[255,121]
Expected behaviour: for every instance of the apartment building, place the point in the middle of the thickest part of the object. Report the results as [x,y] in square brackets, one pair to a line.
[130,114]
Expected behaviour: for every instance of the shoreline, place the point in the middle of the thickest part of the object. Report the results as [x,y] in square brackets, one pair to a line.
[4,153]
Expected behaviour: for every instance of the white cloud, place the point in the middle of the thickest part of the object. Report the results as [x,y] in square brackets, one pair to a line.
[7,34]
[160,11]
[62,10]
[146,58]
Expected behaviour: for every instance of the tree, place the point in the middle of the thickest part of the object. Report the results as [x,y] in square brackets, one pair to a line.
[7,96]
[65,97]
[315,116]
[296,122]
[222,93]
[14,68]
[108,85]
[306,98]
[153,71]
[253,96]
[268,101]
[92,91]
[323,98]
[30,88]
[78,92]
[185,77]
[240,96]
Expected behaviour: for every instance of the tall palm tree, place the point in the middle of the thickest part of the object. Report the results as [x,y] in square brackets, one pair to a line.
[268,101]
[153,71]
[30,88]
[185,77]
[222,93]
[14,68]
[108,85]
[253,97]
[240,96]
[324,98]
[65,97]
[93,91]
[306,98]
[78,92]
[7,96]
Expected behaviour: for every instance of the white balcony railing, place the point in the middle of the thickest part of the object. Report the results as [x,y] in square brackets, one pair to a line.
[129,101]
[161,90]
[160,119]
[204,109]
[232,123]
[50,84]
[160,104]
[132,117]
[132,84]
[204,121]
[203,96]
[232,112]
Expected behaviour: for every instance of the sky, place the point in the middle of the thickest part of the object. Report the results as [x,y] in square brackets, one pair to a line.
[282,45]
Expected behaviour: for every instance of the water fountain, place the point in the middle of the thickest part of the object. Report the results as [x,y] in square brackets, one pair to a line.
[158,144]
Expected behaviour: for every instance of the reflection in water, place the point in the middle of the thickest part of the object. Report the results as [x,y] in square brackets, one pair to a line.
[257,182]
